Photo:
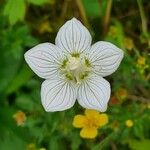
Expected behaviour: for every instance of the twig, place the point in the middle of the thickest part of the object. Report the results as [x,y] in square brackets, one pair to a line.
[113,146]
[143,91]
[148,77]
[138,98]
[130,32]
[130,13]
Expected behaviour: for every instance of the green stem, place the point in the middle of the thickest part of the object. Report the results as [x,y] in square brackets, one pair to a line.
[106,19]
[82,12]
[143,17]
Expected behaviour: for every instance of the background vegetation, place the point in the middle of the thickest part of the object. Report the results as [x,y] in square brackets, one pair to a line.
[24,125]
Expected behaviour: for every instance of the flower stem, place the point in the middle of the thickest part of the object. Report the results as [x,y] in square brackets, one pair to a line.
[82,12]
[64,9]
[106,19]
[143,17]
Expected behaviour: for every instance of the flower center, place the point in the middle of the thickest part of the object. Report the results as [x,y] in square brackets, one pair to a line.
[91,122]
[73,63]
[75,68]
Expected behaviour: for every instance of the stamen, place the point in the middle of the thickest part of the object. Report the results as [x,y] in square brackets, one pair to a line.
[75,68]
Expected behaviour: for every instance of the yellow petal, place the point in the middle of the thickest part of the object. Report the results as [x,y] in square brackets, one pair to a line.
[79,121]
[90,113]
[88,132]
[102,119]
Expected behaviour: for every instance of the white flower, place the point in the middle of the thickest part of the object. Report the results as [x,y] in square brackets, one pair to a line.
[74,69]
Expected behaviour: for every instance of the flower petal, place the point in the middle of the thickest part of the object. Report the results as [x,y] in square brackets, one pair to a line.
[73,37]
[79,121]
[105,58]
[57,95]
[88,132]
[91,112]
[102,119]
[94,93]
[43,59]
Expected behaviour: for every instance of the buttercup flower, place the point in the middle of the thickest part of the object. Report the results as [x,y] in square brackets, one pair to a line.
[122,93]
[128,43]
[90,122]
[141,64]
[129,123]
[45,27]
[20,118]
[74,69]
[31,146]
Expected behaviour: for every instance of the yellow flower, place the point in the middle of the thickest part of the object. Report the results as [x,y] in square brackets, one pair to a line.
[113,31]
[115,125]
[31,146]
[45,27]
[141,60]
[128,43]
[129,123]
[90,122]
[122,93]
[141,64]
[42,148]
[20,118]
[148,105]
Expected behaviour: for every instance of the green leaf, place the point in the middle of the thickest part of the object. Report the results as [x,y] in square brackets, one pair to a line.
[12,142]
[75,140]
[13,42]
[11,133]
[11,66]
[20,79]
[105,142]
[92,8]
[138,130]
[15,10]
[139,145]
[37,2]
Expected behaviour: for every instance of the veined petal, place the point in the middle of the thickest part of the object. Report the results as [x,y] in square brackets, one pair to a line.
[57,95]
[94,93]
[105,58]
[79,121]
[43,59]
[73,37]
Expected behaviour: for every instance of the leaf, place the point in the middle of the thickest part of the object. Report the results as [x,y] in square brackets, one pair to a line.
[9,66]
[105,142]
[138,130]
[12,42]
[92,8]
[13,136]
[139,145]
[25,102]
[75,140]
[15,10]
[20,79]
[103,7]
[12,142]
[37,2]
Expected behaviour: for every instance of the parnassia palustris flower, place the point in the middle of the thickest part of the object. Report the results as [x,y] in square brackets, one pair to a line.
[73,69]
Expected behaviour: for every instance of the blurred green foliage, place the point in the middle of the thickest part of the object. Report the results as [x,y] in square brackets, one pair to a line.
[25,23]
